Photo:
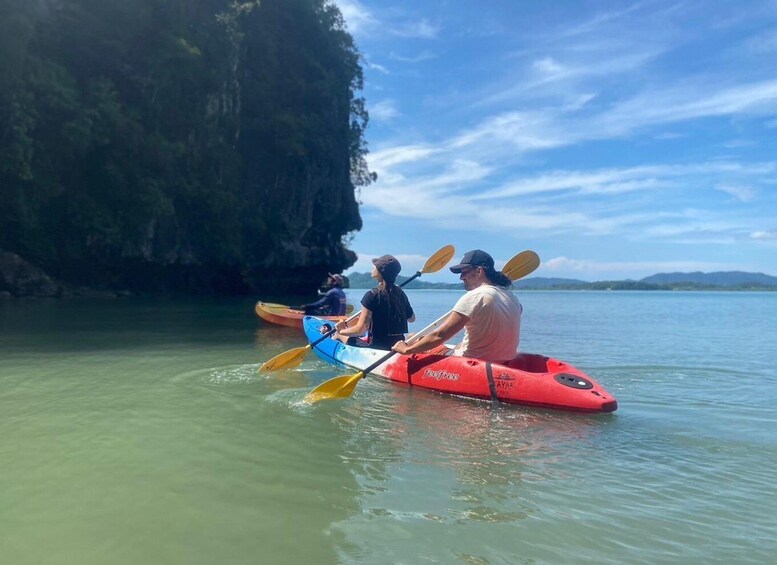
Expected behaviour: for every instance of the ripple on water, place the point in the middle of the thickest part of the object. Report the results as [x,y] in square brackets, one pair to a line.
[173,425]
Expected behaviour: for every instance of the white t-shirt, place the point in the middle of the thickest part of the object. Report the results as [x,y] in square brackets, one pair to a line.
[494,327]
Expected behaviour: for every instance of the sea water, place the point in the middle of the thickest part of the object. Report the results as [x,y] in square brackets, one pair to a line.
[137,431]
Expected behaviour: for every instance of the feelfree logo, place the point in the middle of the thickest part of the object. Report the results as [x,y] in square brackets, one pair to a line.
[441,375]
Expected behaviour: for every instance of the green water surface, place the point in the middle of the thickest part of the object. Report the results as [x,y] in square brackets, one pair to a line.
[137,431]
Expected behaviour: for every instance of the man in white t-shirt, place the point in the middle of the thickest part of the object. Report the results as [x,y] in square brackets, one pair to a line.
[489,313]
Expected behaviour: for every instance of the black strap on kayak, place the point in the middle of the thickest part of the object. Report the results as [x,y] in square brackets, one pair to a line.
[491,384]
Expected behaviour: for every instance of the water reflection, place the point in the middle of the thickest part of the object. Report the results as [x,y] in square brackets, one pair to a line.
[425,460]
[274,339]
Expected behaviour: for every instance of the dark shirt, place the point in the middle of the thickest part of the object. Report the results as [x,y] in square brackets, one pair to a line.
[332,304]
[390,311]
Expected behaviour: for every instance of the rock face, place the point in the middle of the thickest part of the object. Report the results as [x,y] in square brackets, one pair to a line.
[19,278]
[191,147]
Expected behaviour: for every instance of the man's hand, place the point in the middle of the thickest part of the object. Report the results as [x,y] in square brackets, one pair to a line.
[449,327]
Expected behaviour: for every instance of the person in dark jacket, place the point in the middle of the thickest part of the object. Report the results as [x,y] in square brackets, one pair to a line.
[386,310]
[332,303]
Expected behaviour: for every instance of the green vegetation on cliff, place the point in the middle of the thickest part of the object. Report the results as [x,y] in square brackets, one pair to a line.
[210,146]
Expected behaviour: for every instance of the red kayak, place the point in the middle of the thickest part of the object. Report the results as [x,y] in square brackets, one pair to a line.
[528,379]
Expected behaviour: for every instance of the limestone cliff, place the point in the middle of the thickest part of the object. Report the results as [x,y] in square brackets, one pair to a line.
[210,147]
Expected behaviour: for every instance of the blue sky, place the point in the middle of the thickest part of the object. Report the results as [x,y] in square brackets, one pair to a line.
[616,139]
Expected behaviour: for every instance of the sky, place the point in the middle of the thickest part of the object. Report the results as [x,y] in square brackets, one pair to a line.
[616,139]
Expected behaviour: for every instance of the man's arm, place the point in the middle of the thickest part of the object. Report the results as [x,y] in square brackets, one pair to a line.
[309,308]
[452,325]
[317,303]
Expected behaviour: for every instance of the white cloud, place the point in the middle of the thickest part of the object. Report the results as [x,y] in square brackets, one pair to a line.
[601,22]
[630,201]
[739,143]
[381,160]
[701,231]
[547,76]
[376,67]
[420,57]
[548,66]
[741,193]
[523,131]
[357,17]
[431,197]
[361,21]
[613,46]
[384,111]
[410,263]
[577,101]
[764,235]
[630,179]
[668,135]
[510,134]
[526,219]
[422,29]
[595,270]
[682,104]
[606,181]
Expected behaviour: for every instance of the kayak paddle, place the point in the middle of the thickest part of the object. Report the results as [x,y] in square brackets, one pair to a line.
[342,386]
[293,357]
[526,262]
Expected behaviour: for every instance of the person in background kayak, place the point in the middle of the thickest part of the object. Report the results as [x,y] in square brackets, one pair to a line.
[489,313]
[332,303]
[386,310]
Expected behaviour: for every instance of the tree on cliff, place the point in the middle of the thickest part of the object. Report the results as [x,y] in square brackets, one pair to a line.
[210,146]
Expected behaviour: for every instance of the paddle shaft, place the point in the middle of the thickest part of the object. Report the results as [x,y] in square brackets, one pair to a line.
[416,336]
[354,316]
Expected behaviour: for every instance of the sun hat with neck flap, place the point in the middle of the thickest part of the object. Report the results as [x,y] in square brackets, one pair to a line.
[388,267]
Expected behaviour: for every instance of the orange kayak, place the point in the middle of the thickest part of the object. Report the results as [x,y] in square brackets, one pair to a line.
[281,314]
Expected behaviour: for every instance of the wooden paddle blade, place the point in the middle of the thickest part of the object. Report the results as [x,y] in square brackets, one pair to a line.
[526,262]
[338,387]
[439,259]
[286,360]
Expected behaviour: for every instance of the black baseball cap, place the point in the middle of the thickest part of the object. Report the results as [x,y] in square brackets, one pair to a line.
[474,258]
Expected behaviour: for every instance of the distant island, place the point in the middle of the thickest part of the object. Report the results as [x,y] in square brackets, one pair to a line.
[722,280]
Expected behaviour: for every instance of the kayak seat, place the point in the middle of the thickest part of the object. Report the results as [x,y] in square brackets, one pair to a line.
[529,362]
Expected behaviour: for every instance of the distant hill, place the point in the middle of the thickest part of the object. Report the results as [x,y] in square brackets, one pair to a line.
[731,280]
[364,280]
[721,278]
[547,282]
